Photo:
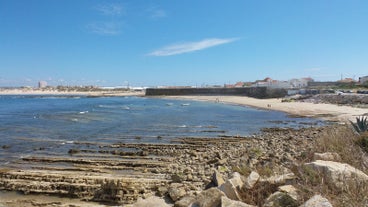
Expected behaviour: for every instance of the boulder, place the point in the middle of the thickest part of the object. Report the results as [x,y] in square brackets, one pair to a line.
[217,178]
[231,187]
[151,201]
[185,201]
[278,199]
[317,201]
[339,174]
[290,190]
[226,202]
[284,179]
[251,180]
[176,191]
[208,198]
[327,156]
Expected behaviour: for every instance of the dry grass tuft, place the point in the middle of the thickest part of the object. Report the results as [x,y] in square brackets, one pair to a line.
[258,194]
[344,141]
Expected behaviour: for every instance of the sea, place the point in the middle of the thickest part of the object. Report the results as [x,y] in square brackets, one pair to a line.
[53,124]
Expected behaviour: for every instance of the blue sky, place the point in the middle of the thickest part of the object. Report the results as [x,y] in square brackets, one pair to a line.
[172,42]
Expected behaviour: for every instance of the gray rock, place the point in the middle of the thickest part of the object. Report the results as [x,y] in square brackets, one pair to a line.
[317,201]
[151,201]
[337,173]
[162,190]
[176,191]
[226,202]
[285,179]
[208,198]
[231,186]
[185,201]
[279,199]
[290,190]
[217,178]
[251,180]
[327,156]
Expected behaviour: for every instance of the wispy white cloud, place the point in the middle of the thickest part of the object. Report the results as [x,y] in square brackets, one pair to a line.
[105,28]
[110,9]
[180,48]
[156,12]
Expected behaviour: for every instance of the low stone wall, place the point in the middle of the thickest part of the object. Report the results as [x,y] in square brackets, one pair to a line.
[255,92]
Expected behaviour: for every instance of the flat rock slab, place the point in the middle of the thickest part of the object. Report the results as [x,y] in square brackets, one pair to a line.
[338,173]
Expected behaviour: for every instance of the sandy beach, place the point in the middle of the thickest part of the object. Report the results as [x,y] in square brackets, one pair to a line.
[329,112]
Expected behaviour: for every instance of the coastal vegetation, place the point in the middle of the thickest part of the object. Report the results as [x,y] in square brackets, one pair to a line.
[361,126]
[344,145]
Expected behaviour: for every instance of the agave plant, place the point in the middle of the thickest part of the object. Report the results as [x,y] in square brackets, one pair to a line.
[361,124]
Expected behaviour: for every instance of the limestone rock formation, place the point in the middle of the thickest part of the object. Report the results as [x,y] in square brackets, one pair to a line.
[176,191]
[185,201]
[151,201]
[338,173]
[217,178]
[231,186]
[208,198]
[284,179]
[226,202]
[317,201]
[279,199]
[327,156]
[251,180]
[290,190]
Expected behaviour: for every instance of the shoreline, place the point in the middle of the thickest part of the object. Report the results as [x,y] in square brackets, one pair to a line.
[27,92]
[188,163]
[100,174]
[329,112]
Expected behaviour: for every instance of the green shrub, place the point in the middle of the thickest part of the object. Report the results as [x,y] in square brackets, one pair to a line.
[361,124]
[363,141]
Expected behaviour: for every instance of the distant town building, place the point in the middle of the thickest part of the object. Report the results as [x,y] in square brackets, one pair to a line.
[363,80]
[300,83]
[42,84]
[236,85]
[268,82]
[347,80]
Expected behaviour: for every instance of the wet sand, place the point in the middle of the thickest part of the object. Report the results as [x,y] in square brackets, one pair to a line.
[329,112]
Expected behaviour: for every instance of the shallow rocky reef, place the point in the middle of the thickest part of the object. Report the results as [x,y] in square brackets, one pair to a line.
[122,173]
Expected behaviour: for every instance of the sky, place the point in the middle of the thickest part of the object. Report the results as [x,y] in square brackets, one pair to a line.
[177,42]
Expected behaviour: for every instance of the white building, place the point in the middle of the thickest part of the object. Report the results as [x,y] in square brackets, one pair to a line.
[363,79]
[300,83]
[42,84]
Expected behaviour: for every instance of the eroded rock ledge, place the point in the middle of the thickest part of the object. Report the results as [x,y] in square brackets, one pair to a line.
[121,173]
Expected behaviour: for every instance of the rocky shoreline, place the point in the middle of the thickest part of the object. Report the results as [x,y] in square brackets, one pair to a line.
[355,100]
[121,174]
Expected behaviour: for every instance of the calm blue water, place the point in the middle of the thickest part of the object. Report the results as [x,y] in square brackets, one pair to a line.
[28,123]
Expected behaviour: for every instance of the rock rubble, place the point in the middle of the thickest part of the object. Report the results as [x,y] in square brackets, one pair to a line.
[187,171]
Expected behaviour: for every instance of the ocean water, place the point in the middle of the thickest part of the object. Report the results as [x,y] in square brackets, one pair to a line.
[54,123]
